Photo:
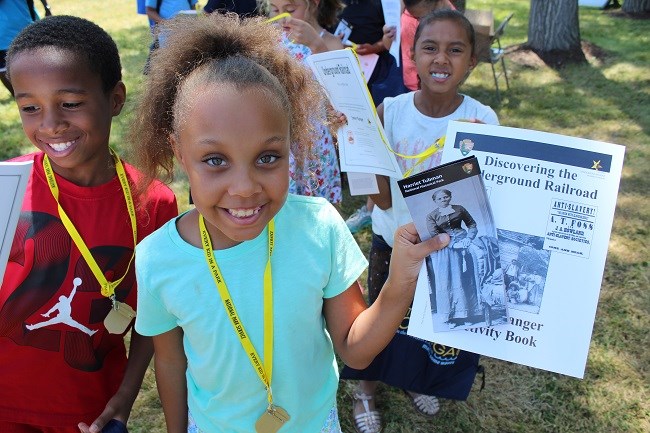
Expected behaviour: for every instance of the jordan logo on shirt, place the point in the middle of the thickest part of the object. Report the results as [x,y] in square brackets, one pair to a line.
[64,307]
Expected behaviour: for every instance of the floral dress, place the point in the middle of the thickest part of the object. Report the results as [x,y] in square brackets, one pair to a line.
[320,175]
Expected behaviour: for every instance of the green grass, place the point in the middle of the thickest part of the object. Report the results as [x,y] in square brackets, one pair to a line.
[606,99]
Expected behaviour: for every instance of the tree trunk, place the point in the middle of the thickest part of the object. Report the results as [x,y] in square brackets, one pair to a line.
[636,6]
[554,31]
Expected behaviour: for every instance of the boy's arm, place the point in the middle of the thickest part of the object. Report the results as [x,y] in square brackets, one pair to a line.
[154,15]
[119,406]
[383,198]
[171,364]
[359,334]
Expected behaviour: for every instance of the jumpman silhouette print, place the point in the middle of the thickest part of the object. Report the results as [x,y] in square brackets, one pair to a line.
[64,307]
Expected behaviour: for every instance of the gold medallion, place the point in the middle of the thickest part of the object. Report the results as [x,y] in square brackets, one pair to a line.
[119,318]
[271,420]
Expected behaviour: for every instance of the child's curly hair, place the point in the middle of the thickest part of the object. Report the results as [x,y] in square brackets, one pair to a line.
[219,49]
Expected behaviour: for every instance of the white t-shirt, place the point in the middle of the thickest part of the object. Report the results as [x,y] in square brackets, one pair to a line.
[410,132]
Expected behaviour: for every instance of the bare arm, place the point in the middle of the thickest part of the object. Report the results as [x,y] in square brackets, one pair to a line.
[154,15]
[377,47]
[389,36]
[383,198]
[359,334]
[119,406]
[332,42]
[303,33]
[171,363]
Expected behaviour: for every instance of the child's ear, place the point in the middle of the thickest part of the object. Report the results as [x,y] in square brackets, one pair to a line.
[118,98]
[175,148]
[472,62]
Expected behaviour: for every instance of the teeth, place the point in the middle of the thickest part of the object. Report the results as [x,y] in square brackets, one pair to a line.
[243,213]
[60,146]
[440,75]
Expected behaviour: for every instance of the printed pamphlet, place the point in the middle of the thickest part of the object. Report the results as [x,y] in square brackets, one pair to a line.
[466,283]
[553,199]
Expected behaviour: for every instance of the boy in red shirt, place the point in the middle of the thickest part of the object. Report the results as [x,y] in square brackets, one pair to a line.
[69,291]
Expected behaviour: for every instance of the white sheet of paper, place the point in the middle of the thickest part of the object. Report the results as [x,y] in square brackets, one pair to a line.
[362,183]
[553,199]
[392,13]
[13,182]
[343,28]
[362,144]
[368,63]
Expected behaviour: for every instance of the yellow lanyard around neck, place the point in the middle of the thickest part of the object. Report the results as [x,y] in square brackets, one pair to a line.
[263,368]
[107,287]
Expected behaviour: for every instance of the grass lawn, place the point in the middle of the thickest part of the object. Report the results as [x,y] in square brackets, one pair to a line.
[606,99]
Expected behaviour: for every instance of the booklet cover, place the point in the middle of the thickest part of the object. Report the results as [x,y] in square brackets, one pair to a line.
[553,199]
[13,182]
[363,147]
[465,280]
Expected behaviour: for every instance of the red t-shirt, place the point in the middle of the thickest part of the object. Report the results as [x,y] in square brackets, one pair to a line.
[59,365]
[408,26]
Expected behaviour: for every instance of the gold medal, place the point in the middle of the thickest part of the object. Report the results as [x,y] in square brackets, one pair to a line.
[119,318]
[271,420]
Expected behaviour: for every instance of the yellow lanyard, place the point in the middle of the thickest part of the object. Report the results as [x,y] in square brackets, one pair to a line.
[278,17]
[422,156]
[107,287]
[263,368]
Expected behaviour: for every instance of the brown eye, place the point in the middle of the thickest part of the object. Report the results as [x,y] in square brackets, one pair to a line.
[71,104]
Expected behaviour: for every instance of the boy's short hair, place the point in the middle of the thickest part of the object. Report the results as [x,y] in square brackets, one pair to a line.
[74,34]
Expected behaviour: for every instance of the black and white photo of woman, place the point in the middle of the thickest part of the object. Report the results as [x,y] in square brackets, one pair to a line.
[455,266]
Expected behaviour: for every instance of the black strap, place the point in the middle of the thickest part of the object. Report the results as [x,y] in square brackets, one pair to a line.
[32,10]
[46,6]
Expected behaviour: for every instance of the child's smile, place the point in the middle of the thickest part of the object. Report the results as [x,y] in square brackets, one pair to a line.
[244,213]
[443,56]
[68,115]
[59,147]
[234,145]
[440,76]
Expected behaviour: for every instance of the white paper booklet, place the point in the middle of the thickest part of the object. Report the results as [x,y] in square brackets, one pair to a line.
[13,183]
[362,144]
[466,288]
[553,199]
[392,16]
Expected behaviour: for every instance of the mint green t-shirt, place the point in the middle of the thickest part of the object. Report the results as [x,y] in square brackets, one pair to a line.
[315,258]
